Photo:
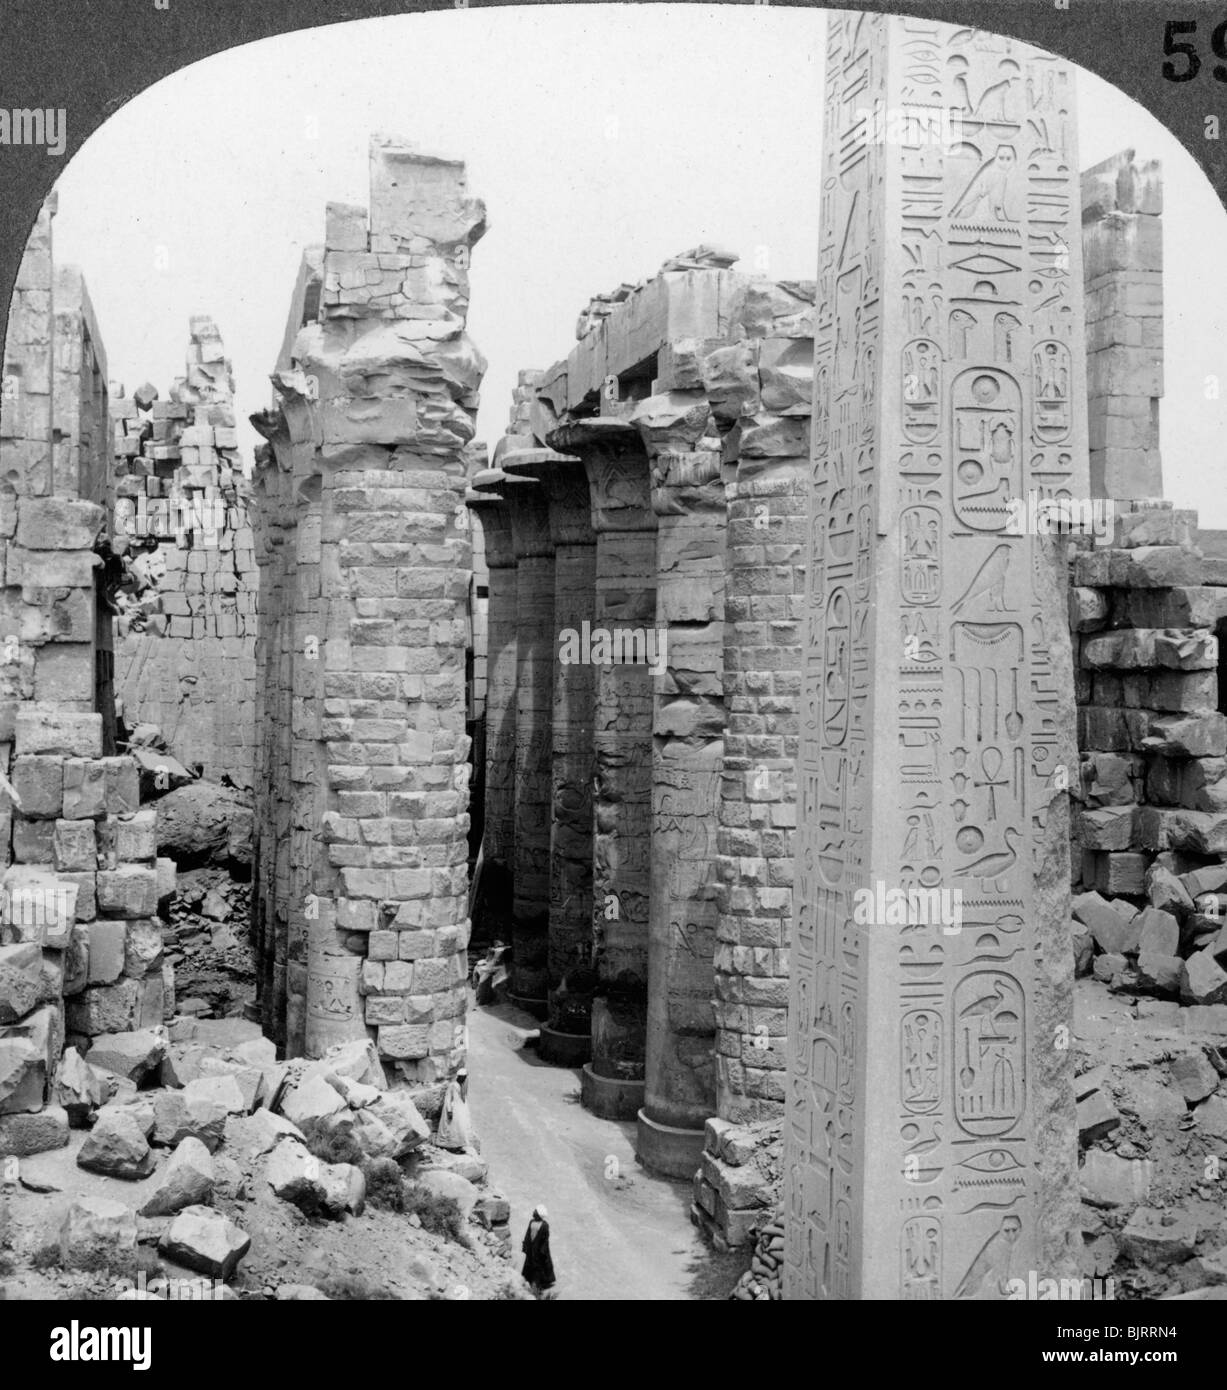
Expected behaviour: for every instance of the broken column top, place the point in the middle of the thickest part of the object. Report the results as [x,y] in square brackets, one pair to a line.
[701,258]
[426,192]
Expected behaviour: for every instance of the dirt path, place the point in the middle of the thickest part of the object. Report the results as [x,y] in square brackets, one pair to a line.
[616,1232]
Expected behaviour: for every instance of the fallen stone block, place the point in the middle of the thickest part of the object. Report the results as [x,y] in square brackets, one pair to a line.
[1097,1117]
[22,1135]
[187,1180]
[179,1115]
[309,1102]
[249,1080]
[82,1089]
[1157,1238]
[1158,932]
[398,1112]
[1203,979]
[447,1184]
[261,1131]
[95,1232]
[344,1189]
[1211,879]
[116,1147]
[1209,1270]
[355,1094]
[256,1052]
[465,1162]
[1212,1117]
[357,1060]
[1160,974]
[137,1055]
[23,1073]
[492,1211]
[1113,934]
[297,1176]
[205,1240]
[1109,968]
[1194,1076]
[21,969]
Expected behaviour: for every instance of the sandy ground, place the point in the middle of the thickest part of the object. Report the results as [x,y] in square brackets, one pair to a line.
[616,1232]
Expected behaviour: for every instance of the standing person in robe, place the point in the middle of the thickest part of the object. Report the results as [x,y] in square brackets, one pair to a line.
[538,1264]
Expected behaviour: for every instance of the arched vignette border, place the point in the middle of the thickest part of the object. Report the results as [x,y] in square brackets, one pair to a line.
[93,56]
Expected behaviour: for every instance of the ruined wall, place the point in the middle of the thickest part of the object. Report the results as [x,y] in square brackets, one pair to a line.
[1122,242]
[366,628]
[185,659]
[80,949]
[1151,835]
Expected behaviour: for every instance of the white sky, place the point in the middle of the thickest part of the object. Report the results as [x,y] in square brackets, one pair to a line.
[603,139]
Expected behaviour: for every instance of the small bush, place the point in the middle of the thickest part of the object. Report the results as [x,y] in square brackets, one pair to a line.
[385,1184]
[438,1214]
[46,1257]
[336,1146]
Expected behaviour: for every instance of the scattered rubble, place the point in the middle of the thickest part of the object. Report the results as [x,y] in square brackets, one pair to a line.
[183,1164]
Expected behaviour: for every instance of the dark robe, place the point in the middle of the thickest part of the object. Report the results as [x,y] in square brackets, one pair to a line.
[538,1266]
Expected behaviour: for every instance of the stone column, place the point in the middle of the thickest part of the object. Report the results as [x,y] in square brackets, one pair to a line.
[534,554]
[625,526]
[1122,247]
[761,391]
[686,661]
[382,389]
[492,909]
[566,1036]
[929,1135]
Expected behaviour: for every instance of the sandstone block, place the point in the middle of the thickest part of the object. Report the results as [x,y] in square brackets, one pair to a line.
[96,1230]
[205,1240]
[117,1147]
[187,1180]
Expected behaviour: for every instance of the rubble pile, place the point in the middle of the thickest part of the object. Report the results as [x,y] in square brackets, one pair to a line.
[1152,833]
[739,1182]
[211,1152]
[80,946]
[1152,1118]
[207,943]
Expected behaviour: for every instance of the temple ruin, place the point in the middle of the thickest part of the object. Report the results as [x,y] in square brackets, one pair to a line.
[808,690]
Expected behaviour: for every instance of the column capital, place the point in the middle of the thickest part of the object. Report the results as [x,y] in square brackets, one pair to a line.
[616,463]
[565,482]
[495,515]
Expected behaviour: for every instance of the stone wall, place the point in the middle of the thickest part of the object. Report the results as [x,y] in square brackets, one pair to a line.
[1151,835]
[80,947]
[360,894]
[185,659]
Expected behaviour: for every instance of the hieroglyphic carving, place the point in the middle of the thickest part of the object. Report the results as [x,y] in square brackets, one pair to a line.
[929,713]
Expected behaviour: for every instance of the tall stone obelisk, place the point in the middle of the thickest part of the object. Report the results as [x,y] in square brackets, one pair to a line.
[929,1128]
